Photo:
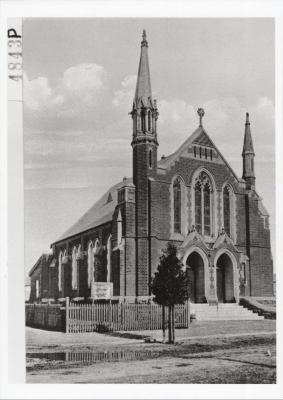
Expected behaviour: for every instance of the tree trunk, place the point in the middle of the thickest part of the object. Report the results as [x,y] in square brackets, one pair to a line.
[163,324]
[170,325]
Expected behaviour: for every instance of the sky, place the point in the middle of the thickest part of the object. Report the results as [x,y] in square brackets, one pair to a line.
[79,82]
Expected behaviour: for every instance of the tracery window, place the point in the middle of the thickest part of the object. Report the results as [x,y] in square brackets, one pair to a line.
[203,204]
[226,210]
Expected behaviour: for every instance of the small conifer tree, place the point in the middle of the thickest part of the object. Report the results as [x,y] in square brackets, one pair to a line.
[170,285]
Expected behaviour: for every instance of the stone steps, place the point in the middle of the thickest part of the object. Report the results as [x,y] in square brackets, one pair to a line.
[224,312]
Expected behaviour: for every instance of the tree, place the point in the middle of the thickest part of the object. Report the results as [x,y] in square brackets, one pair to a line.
[170,286]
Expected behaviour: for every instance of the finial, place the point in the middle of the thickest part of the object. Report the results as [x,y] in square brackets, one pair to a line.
[144,41]
[247,118]
[201,114]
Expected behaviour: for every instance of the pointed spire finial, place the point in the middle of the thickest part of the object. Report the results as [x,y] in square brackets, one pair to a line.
[247,118]
[201,114]
[144,41]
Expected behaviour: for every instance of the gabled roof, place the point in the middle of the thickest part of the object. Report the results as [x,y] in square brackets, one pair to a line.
[100,213]
[199,136]
[48,258]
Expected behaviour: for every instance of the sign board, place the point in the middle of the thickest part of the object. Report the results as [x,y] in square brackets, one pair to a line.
[101,290]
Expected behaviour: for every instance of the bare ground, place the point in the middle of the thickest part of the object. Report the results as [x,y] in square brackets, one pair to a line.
[227,359]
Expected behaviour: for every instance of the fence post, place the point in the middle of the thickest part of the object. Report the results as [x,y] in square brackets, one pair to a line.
[188,313]
[67,315]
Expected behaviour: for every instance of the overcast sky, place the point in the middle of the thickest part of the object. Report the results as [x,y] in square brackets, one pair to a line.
[79,85]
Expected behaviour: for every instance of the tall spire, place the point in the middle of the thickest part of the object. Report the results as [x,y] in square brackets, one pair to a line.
[248,155]
[248,147]
[143,88]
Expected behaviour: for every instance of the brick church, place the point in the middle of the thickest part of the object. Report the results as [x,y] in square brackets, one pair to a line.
[191,198]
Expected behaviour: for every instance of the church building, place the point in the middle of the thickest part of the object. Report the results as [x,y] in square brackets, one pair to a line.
[191,198]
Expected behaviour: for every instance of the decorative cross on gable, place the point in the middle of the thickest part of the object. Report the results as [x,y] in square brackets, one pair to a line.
[201,115]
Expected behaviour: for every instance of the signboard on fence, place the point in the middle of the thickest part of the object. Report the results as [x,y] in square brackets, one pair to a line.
[101,290]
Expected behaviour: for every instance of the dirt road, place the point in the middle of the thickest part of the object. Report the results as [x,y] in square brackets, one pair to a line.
[249,359]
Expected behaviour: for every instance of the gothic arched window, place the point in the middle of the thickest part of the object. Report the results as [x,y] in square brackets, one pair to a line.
[60,271]
[203,201]
[177,205]
[109,258]
[149,120]
[74,269]
[143,120]
[226,210]
[90,264]
[119,228]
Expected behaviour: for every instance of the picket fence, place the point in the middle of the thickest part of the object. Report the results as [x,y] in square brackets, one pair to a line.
[120,317]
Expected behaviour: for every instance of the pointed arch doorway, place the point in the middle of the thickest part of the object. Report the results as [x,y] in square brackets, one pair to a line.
[225,279]
[195,266]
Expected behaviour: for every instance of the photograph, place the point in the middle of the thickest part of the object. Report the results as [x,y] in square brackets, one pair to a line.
[149,200]
[141,161]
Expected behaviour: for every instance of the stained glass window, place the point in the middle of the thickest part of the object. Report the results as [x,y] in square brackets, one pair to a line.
[226,210]
[198,208]
[177,206]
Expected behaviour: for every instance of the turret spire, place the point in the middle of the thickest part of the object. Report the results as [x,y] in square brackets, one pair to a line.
[248,147]
[143,87]
[248,155]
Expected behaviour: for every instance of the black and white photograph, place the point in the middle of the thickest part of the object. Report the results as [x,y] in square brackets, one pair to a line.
[149,183]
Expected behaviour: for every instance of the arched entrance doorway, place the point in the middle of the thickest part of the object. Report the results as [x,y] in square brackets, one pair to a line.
[195,267]
[225,279]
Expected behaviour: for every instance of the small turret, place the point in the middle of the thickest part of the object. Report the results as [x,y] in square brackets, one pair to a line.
[248,155]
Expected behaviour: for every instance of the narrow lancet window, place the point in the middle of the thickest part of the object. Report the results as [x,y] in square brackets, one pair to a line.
[177,206]
[90,263]
[150,158]
[149,120]
[198,208]
[206,210]
[60,271]
[226,210]
[74,269]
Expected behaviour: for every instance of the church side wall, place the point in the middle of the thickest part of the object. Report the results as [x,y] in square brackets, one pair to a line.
[260,253]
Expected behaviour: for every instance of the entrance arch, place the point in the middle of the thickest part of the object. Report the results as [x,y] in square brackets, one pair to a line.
[225,279]
[195,266]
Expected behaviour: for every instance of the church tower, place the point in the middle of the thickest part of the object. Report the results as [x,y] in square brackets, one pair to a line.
[144,143]
[248,155]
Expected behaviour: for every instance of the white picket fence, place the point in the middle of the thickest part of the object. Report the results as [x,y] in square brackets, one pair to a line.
[120,317]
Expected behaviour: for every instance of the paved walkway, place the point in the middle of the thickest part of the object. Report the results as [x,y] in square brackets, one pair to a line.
[41,338]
